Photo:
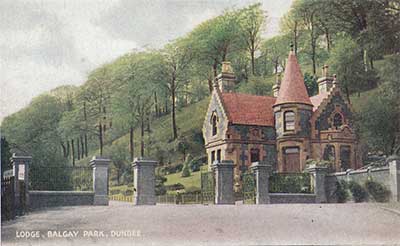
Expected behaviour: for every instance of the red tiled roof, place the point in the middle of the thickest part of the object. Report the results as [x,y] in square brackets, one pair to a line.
[317,100]
[249,109]
[292,88]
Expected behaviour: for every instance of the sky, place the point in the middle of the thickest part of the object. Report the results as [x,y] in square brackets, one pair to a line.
[45,44]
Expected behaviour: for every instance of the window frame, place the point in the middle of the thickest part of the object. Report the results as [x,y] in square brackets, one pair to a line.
[285,121]
[214,124]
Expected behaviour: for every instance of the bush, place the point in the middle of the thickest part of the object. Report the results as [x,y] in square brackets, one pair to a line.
[185,171]
[177,186]
[378,191]
[114,191]
[193,190]
[359,193]
[341,191]
[160,187]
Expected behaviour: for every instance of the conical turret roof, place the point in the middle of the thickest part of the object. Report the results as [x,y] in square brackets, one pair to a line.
[293,89]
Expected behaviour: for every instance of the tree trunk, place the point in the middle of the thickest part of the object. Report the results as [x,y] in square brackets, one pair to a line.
[68,149]
[215,66]
[78,148]
[156,103]
[173,113]
[295,37]
[86,145]
[131,142]
[64,150]
[73,152]
[346,88]
[371,62]
[210,85]
[328,40]
[100,139]
[142,136]
[253,68]
[82,147]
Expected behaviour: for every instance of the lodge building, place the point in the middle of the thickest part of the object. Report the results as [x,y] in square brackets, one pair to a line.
[283,130]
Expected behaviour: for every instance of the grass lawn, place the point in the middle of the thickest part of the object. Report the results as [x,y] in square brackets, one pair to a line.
[192,181]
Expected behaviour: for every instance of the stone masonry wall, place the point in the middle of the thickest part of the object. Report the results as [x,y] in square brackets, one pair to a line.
[380,175]
[43,199]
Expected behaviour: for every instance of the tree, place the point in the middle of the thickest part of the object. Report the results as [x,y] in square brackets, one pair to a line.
[252,20]
[213,40]
[275,50]
[5,155]
[186,167]
[345,62]
[176,60]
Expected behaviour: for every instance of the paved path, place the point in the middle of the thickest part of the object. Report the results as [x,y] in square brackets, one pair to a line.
[124,224]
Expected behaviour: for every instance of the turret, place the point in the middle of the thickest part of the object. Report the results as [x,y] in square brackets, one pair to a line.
[293,110]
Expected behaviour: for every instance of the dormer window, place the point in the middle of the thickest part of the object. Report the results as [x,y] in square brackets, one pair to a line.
[337,120]
[289,121]
[214,122]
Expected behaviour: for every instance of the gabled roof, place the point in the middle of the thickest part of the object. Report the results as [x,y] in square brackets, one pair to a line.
[293,89]
[317,100]
[247,109]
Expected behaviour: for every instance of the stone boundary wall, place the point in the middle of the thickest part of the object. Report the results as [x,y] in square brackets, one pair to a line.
[380,175]
[291,198]
[43,199]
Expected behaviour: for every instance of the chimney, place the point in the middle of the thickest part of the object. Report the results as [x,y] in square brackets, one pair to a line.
[325,83]
[226,79]
[277,85]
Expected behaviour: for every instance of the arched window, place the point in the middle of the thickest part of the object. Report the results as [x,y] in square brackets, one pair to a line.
[337,120]
[214,121]
[289,120]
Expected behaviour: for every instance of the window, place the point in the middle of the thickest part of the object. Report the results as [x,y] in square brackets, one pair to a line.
[219,155]
[329,153]
[212,157]
[345,157]
[214,121]
[289,120]
[337,120]
[254,155]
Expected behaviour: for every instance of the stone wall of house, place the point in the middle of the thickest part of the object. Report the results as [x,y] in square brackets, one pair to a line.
[380,175]
[43,199]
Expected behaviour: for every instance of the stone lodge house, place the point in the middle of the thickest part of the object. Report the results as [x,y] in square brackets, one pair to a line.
[284,130]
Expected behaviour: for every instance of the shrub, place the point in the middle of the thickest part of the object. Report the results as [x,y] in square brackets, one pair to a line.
[192,189]
[341,191]
[378,191]
[160,187]
[185,171]
[114,191]
[359,193]
[177,186]
[128,193]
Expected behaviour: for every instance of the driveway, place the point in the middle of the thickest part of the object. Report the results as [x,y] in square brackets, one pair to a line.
[124,224]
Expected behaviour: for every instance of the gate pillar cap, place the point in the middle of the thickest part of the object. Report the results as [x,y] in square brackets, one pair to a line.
[261,165]
[142,161]
[20,158]
[394,157]
[223,163]
[97,161]
[315,168]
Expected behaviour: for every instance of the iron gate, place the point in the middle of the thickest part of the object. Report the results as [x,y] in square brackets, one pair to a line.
[7,198]
[208,187]
[249,187]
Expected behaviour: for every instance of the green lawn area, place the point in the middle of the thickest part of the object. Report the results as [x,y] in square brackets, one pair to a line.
[192,181]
